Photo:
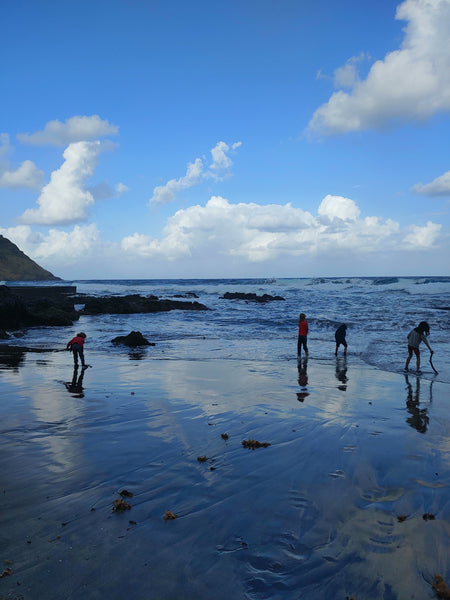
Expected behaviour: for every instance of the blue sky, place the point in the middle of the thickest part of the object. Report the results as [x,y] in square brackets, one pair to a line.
[247,138]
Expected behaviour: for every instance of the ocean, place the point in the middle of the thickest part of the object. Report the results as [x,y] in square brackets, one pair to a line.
[379,313]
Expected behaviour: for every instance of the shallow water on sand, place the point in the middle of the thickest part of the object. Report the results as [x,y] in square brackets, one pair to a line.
[313,515]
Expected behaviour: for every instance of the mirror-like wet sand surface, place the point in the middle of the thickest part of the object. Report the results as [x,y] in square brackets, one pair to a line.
[333,508]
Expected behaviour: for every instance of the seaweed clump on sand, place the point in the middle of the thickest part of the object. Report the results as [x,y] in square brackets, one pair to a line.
[440,587]
[252,444]
[120,505]
[169,516]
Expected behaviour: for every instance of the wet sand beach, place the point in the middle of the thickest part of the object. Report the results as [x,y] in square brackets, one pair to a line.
[333,508]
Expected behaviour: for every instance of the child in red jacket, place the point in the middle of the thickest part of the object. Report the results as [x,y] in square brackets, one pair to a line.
[302,335]
[76,346]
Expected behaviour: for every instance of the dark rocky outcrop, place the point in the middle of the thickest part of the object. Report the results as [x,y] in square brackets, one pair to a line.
[250,297]
[133,339]
[17,312]
[17,266]
[123,305]
[31,306]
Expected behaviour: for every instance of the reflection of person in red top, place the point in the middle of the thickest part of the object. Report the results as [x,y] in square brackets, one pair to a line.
[302,335]
[76,346]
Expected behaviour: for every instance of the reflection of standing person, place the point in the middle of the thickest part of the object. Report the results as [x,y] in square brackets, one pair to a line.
[302,335]
[76,346]
[341,373]
[339,336]
[302,380]
[415,337]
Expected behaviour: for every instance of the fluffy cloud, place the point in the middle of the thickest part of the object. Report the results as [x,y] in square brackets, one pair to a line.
[25,176]
[225,234]
[163,194]
[60,246]
[337,207]
[411,83]
[422,237]
[196,173]
[259,233]
[348,75]
[438,187]
[65,199]
[75,129]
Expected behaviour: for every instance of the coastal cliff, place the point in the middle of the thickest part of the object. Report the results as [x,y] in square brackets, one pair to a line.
[17,266]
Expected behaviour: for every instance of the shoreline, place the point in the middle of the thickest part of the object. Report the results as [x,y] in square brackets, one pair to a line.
[315,513]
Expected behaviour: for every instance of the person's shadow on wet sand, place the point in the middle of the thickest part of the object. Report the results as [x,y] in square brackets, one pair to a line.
[75,386]
[302,378]
[341,373]
[418,416]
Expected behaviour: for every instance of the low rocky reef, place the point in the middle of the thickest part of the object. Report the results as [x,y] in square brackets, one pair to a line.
[37,306]
[22,307]
[250,297]
[123,305]
[18,311]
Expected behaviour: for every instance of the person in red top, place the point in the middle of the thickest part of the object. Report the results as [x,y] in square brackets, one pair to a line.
[302,335]
[76,346]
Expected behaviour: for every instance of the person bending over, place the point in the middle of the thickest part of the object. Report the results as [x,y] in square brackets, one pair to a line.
[76,346]
[415,337]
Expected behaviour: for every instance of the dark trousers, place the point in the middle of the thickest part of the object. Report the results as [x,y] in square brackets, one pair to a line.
[77,352]
[301,343]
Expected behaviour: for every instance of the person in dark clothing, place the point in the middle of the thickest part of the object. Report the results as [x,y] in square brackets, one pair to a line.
[339,336]
[76,346]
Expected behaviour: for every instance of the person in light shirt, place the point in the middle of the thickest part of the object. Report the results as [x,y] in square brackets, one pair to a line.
[415,337]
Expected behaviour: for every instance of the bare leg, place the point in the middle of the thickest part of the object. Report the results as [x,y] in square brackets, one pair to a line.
[408,359]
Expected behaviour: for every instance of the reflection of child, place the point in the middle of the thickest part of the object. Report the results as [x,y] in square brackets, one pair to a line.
[302,335]
[76,346]
[339,336]
[415,337]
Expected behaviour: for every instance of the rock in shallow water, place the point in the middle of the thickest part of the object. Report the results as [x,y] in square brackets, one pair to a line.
[133,339]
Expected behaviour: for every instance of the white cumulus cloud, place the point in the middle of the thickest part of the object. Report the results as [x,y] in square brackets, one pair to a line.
[266,232]
[411,83]
[57,247]
[196,172]
[27,175]
[65,199]
[74,129]
[422,237]
[338,207]
[438,187]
